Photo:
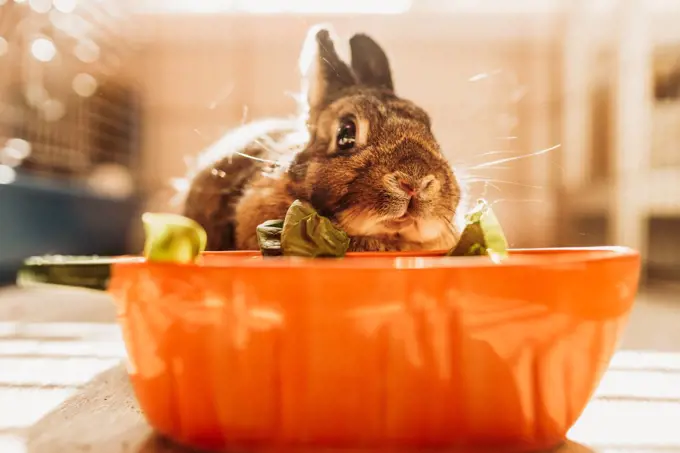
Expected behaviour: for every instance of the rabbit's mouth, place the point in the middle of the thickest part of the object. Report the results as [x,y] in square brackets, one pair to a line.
[413,224]
[415,229]
[400,223]
[407,226]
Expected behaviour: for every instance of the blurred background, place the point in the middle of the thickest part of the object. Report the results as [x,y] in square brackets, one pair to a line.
[565,113]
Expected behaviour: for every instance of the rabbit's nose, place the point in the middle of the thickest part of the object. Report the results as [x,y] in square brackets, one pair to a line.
[412,187]
[407,187]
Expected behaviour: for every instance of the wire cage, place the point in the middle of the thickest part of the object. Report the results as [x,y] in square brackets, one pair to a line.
[66,106]
[69,128]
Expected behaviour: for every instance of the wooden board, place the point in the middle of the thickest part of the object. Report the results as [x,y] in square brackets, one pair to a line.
[104,418]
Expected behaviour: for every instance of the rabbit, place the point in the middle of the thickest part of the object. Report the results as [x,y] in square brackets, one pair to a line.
[359,155]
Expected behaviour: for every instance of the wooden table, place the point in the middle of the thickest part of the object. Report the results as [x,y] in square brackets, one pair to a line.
[104,418]
[72,353]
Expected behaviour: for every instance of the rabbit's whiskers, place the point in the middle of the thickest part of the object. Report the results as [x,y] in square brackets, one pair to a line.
[514,158]
[505,200]
[222,96]
[492,182]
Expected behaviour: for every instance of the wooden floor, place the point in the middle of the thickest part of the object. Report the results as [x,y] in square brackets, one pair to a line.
[53,343]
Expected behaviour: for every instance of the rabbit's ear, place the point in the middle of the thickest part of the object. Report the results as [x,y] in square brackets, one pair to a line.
[324,72]
[369,62]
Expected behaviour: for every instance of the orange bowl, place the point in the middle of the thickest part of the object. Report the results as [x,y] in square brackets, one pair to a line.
[375,350]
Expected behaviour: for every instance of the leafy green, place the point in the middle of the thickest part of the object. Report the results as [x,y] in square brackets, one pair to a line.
[91,272]
[306,233]
[269,237]
[169,238]
[483,234]
[302,233]
[172,238]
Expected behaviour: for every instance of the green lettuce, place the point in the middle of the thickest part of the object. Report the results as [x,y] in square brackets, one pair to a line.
[172,238]
[303,232]
[483,234]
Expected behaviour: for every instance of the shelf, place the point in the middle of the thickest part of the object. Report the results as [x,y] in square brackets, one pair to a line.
[657,194]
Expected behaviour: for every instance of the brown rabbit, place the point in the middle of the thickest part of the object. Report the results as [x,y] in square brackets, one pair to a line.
[361,156]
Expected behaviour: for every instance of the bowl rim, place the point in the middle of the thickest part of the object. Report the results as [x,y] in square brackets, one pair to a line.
[525,258]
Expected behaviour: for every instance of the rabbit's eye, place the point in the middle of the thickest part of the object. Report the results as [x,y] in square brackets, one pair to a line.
[347,134]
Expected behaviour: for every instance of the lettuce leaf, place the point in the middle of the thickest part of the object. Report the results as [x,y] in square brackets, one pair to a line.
[483,235]
[172,238]
[303,232]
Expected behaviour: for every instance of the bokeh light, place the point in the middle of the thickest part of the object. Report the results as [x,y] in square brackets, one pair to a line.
[53,110]
[17,148]
[72,24]
[7,174]
[43,49]
[111,180]
[35,94]
[87,51]
[40,6]
[65,6]
[84,85]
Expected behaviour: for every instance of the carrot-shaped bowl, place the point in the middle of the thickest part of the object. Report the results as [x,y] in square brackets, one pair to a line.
[385,350]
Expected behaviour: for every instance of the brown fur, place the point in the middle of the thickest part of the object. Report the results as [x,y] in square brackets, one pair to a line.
[358,189]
